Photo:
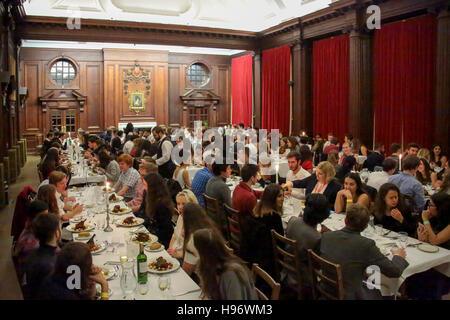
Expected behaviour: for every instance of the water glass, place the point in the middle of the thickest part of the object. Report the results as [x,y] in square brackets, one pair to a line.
[164,284]
[379,230]
[403,237]
[143,288]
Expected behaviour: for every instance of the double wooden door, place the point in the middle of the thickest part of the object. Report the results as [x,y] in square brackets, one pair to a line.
[198,114]
[64,120]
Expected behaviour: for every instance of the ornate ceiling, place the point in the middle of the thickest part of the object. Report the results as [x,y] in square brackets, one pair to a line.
[245,15]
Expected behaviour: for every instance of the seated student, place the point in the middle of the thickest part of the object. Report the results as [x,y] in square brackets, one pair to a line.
[296,172]
[136,203]
[256,242]
[437,158]
[413,149]
[41,261]
[95,145]
[425,175]
[375,158]
[108,166]
[74,254]
[306,156]
[129,177]
[199,182]
[223,276]
[377,179]
[158,208]
[176,245]
[354,253]
[27,240]
[392,212]
[304,231]
[194,218]
[59,180]
[322,181]
[352,192]
[216,186]
[181,175]
[436,221]
[46,144]
[333,144]
[49,163]
[407,183]
[244,197]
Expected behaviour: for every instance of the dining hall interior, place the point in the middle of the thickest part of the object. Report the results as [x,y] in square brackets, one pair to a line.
[101,98]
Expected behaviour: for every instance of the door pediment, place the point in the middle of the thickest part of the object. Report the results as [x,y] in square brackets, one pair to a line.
[63,99]
[200,98]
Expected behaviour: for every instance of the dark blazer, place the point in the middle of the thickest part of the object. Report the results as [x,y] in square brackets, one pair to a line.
[355,253]
[116,144]
[310,182]
[374,159]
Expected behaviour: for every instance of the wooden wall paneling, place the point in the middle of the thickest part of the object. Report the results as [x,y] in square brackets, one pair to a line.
[94,91]
[32,110]
[442,107]
[175,107]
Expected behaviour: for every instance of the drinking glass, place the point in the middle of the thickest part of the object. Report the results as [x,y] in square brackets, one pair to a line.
[163,284]
[143,288]
[128,280]
[403,237]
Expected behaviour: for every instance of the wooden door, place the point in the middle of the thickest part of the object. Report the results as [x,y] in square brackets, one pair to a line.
[64,120]
[198,114]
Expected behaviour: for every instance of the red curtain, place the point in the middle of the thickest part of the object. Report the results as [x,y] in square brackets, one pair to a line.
[241,89]
[276,70]
[404,83]
[331,67]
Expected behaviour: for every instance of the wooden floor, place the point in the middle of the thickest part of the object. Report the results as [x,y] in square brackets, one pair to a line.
[9,288]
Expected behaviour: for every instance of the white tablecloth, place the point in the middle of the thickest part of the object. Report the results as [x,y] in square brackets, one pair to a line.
[182,287]
[79,176]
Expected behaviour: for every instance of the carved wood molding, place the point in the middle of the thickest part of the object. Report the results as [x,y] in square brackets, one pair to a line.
[136,75]
[70,98]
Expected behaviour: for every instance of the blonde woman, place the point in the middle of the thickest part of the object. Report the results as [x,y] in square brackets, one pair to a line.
[182,175]
[177,242]
[424,153]
[322,181]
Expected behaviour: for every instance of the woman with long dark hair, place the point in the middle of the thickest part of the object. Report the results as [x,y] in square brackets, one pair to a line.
[392,212]
[49,163]
[437,158]
[47,194]
[223,276]
[108,166]
[352,192]
[284,149]
[256,243]
[424,173]
[436,221]
[158,208]
[74,254]
[194,218]
[306,157]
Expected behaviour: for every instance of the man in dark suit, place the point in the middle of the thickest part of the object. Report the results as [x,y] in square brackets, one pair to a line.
[375,158]
[355,253]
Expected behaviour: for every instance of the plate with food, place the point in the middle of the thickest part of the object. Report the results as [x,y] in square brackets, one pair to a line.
[130,222]
[109,273]
[154,247]
[144,237]
[80,227]
[83,236]
[115,198]
[118,209]
[98,295]
[77,219]
[95,246]
[162,265]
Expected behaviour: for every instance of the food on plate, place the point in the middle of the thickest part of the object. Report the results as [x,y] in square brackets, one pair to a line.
[105,272]
[80,226]
[155,246]
[84,234]
[142,237]
[129,221]
[113,198]
[161,264]
[116,208]
[92,245]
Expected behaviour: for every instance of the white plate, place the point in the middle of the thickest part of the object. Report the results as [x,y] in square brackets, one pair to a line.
[139,221]
[77,219]
[147,248]
[71,227]
[119,198]
[128,210]
[83,239]
[101,245]
[176,266]
[111,273]
[427,248]
[153,238]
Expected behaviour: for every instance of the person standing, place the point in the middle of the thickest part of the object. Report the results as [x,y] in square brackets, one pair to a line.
[166,167]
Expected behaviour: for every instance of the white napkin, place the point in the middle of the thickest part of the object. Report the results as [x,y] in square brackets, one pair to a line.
[183,285]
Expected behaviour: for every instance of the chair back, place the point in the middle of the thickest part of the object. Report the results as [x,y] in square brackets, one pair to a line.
[275,286]
[234,228]
[289,261]
[20,215]
[214,212]
[333,278]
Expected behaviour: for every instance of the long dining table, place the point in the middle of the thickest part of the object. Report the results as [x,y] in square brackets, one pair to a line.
[117,244]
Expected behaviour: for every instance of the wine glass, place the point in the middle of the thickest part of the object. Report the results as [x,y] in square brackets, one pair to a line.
[163,284]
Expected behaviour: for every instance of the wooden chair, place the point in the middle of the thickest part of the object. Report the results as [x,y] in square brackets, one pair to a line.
[288,261]
[275,286]
[317,265]
[233,228]
[214,212]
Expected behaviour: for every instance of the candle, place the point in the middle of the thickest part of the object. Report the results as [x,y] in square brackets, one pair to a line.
[400,162]
[276,169]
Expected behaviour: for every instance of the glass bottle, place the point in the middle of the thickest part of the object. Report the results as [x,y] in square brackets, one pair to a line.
[142,265]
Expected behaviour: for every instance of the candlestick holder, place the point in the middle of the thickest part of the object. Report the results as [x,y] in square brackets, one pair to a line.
[108,227]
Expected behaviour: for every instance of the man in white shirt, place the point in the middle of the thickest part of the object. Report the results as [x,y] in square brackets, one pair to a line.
[163,158]
[296,172]
[377,179]
[328,142]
